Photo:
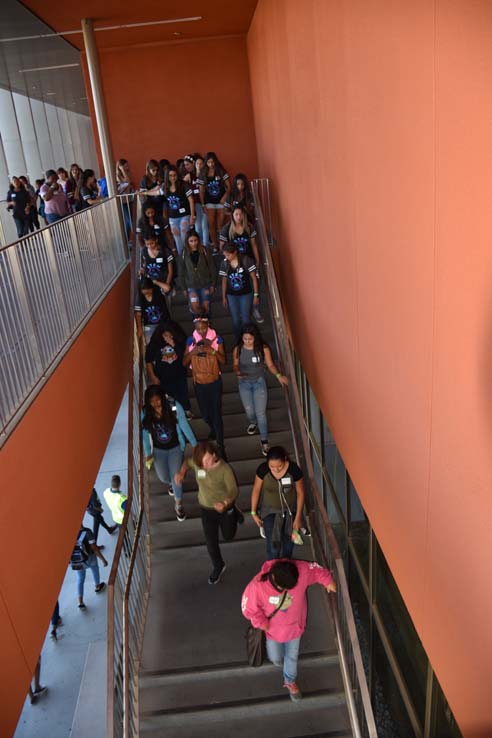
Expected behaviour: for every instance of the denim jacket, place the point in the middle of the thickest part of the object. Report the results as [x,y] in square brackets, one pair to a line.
[183,428]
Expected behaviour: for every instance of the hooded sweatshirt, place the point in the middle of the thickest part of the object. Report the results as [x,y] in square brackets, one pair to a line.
[197,337]
[260,599]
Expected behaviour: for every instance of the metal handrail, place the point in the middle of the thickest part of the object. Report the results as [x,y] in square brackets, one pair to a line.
[129,580]
[51,283]
[354,679]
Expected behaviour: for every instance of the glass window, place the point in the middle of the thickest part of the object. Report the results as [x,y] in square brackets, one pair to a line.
[391,717]
[402,635]
[446,726]
[314,418]
[359,530]
[318,474]
[336,521]
[362,617]
[329,452]
[341,483]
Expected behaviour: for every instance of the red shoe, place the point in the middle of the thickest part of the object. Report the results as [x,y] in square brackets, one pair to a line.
[294,691]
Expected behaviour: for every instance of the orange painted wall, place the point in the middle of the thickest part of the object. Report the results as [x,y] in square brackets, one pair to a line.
[47,468]
[373,121]
[166,100]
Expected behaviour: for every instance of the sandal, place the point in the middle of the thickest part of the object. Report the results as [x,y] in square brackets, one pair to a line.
[100,587]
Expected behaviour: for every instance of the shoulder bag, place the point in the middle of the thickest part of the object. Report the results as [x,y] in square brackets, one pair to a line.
[256,640]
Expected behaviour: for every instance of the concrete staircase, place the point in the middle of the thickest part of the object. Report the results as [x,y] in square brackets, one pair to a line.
[194,679]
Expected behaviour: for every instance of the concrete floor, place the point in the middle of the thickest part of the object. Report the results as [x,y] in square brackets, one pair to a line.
[74,666]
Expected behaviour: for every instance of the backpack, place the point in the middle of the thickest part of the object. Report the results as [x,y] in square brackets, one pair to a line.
[204,367]
[80,555]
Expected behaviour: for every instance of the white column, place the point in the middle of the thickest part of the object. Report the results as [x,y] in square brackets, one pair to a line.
[34,166]
[56,137]
[12,146]
[43,135]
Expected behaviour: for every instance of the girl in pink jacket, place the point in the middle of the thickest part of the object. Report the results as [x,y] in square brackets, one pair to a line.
[283,582]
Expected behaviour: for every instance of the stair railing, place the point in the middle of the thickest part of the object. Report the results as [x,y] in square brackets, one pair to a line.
[129,581]
[325,546]
[51,283]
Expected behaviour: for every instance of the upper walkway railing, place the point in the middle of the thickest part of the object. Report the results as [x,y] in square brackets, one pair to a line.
[324,541]
[51,282]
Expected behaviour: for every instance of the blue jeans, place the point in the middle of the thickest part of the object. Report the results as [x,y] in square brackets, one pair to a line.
[197,297]
[179,228]
[282,550]
[254,396]
[52,217]
[201,223]
[167,462]
[240,309]
[285,654]
[93,566]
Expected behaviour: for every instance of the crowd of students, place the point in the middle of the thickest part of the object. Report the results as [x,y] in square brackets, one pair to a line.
[58,194]
[192,214]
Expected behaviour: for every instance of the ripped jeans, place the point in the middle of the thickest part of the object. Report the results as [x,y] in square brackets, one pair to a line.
[254,397]
[179,229]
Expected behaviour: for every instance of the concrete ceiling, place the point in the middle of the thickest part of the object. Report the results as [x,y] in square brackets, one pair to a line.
[218,18]
[67,83]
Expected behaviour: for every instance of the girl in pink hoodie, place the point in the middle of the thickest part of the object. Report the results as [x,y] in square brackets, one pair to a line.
[283,582]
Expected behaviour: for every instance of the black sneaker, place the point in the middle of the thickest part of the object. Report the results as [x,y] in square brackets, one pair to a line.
[216,574]
[251,429]
[180,513]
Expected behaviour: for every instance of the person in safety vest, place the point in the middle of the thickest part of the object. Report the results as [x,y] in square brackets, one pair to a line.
[115,499]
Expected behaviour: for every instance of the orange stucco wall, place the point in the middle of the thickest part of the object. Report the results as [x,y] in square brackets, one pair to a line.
[167,100]
[47,468]
[373,121]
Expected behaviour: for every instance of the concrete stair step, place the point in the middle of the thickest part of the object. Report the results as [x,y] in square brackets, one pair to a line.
[163,504]
[232,405]
[192,690]
[267,716]
[235,424]
[167,534]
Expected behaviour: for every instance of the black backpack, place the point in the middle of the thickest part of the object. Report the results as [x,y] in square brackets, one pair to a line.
[80,555]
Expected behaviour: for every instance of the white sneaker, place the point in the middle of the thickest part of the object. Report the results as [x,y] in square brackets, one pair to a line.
[251,429]
[257,315]
[262,532]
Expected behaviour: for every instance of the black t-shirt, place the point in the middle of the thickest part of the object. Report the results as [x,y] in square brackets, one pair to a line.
[154,311]
[20,199]
[195,257]
[270,491]
[163,436]
[158,230]
[86,194]
[214,187]
[241,240]
[238,278]
[157,201]
[156,267]
[195,186]
[178,204]
[167,360]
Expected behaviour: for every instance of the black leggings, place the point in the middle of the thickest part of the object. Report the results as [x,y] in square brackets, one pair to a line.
[211,522]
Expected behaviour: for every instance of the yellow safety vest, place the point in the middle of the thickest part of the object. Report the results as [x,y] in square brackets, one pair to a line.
[115,502]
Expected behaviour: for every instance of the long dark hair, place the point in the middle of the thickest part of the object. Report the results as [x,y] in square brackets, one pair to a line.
[258,344]
[201,248]
[87,174]
[168,326]
[167,417]
[180,186]
[248,196]
[219,168]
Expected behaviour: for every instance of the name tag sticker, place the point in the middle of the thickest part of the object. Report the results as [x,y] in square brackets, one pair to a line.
[255,359]
[285,481]
[274,600]
[240,270]
[182,210]
[159,260]
[201,473]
